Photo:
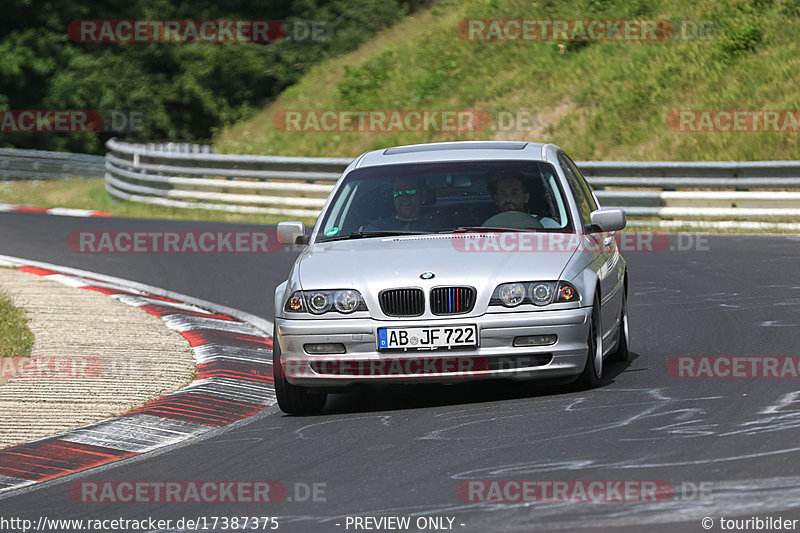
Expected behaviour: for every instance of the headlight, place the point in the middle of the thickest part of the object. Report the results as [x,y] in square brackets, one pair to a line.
[539,293]
[346,301]
[319,302]
[511,294]
[323,301]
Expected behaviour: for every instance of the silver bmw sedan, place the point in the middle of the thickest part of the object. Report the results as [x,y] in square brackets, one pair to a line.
[448,262]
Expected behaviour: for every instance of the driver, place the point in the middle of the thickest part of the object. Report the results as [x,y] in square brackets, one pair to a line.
[407,193]
[409,196]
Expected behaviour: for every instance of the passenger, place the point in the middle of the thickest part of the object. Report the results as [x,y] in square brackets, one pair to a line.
[511,196]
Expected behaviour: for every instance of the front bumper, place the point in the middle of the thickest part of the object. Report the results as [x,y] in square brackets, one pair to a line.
[495,357]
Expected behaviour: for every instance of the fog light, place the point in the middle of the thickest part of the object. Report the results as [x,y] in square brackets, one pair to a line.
[326,348]
[535,340]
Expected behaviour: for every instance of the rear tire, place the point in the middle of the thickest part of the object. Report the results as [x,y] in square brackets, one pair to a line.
[293,399]
[592,373]
[622,353]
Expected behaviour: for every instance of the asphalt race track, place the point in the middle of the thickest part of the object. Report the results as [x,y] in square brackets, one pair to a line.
[728,447]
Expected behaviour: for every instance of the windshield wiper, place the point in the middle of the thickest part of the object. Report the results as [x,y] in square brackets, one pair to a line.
[367,234]
[465,229]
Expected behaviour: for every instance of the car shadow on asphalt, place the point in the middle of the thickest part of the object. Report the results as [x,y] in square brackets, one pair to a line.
[389,397]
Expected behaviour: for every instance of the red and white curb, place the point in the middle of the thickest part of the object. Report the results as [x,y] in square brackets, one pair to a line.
[61,211]
[233,354]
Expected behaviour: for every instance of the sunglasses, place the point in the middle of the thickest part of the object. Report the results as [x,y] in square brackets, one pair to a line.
[406,192]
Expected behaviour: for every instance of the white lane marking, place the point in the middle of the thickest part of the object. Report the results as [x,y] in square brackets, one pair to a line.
[238,390]
[57,211]
[68,212]
[259,322]
[70,281]
[135,433]
[94,283]
[208,353]
[139,301]
[784,401]
[778,323]
[189,323]
[8,483]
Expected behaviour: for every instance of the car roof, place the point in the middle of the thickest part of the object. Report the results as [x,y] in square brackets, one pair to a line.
[456,151]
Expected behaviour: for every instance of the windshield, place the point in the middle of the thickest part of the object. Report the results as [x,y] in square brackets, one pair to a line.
[441,197]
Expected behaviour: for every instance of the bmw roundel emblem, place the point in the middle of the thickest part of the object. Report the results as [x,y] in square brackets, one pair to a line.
[427,275]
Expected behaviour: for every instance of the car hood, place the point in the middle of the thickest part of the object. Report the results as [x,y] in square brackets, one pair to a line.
[373,264]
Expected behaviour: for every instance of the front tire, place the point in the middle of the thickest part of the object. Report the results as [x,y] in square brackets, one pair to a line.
[592,373]
[293,399]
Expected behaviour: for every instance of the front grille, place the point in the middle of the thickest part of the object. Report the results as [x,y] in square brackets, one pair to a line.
[402,302]
[452,300]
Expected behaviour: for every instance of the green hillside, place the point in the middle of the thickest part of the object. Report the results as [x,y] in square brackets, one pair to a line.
[600,100]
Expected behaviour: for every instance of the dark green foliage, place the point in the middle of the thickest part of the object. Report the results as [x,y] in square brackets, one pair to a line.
[741,25]
[187,90]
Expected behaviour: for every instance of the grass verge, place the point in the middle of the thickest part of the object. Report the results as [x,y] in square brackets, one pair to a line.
[601,100]
[16,340]
[91,194]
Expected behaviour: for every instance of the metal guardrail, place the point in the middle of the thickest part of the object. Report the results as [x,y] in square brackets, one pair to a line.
[619,184]
[298,186]
[43,165]
[291,186]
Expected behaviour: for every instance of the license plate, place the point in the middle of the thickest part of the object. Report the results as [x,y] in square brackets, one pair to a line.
[428,338]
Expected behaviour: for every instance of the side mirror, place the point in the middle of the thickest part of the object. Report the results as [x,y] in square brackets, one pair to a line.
[608,219]
[292,232]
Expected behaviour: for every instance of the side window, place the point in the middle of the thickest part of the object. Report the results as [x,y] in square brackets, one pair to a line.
[578,191]
[562,210]
[582,181]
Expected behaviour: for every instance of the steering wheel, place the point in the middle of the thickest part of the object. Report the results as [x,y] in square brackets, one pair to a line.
[513,219]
